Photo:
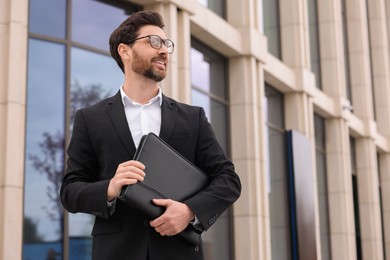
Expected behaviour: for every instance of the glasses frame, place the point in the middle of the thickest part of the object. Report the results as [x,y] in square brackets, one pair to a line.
[167,42]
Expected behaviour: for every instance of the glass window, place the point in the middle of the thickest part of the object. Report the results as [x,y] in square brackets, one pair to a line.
[260,16]
[216,113]
[381,199]
[322,186]
[93,78]
[92,69]
[93,21]
[272,26]
[277,176]
[217,6]
[370,33]
[208,70]
[44,166]
[48,17]
[355,180]
[275,106]
[346,51]
[314,38]
[208,78]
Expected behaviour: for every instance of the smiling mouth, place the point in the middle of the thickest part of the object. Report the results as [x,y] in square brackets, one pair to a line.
[160,63]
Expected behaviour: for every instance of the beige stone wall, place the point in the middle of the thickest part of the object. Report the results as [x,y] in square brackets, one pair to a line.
[13,62]
[239,38]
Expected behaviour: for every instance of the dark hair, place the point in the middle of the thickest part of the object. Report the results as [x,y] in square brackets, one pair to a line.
[128,31]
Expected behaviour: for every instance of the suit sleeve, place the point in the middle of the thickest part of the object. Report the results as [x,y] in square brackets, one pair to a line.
[224,188]
[81,189]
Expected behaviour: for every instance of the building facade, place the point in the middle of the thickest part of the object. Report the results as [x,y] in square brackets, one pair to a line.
[298,93]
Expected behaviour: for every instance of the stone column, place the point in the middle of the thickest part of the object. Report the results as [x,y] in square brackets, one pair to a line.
[13,74]
[294,34]
[369,202]
[247,124]
[367,71]
[183,52]
[379,48]
[359,55]
[379,18]
[342,221]
[251,212]
[299,105]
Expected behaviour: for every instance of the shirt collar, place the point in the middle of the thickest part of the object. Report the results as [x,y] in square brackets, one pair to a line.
[152,100]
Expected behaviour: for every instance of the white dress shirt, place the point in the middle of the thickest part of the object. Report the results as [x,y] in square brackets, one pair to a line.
[142,119]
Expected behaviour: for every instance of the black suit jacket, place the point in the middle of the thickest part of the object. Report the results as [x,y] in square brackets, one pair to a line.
[101,140]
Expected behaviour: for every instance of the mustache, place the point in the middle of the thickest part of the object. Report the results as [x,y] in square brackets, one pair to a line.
[162,57]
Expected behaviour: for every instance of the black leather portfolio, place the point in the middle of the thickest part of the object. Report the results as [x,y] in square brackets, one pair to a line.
[168,175]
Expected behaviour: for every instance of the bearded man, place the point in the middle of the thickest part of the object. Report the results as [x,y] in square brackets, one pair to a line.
[105,137]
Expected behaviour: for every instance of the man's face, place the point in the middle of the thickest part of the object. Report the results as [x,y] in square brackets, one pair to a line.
[148,61]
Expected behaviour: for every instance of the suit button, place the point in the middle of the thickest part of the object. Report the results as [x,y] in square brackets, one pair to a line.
[146,223]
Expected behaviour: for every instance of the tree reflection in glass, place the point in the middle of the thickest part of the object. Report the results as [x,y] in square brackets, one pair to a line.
[50,160]
[95,77]
[44,150]
[208,80]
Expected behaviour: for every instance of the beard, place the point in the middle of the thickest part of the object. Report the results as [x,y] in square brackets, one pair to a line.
[144,67]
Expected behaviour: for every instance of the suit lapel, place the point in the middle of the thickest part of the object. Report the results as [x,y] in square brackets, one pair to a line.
[168,117]
[117,115]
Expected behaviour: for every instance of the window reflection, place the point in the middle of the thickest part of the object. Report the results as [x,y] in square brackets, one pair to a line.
[272,26]
[217,6]
[260,17]
[43,219]
[200,71]
[208,91]
[93,21]
[356,205]
[347,64]
[277,175]
[208,70]
[93,69]
[93,78]
[48,17]
[314,40]
[322,187]
[215,112]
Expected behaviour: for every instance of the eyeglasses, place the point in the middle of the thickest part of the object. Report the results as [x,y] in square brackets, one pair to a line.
[156,42]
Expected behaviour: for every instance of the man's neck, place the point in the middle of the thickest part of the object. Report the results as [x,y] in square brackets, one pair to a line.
[140,90]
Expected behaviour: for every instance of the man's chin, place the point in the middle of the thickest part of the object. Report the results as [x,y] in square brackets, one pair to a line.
[155,76]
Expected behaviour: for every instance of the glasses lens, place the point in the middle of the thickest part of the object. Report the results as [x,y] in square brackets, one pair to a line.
[169,44]
[155,41]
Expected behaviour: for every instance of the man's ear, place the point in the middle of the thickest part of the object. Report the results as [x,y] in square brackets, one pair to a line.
[124,51]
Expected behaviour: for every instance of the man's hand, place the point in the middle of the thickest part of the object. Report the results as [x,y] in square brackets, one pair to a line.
[175,219]
[127,173]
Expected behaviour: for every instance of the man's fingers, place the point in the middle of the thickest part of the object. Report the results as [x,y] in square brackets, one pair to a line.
[131,170]
[136,170]
[127,173]
[133,163]
[160,221]
[162,202]
[133,175]
[125,182]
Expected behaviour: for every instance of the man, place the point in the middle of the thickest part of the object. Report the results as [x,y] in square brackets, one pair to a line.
[104,140]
